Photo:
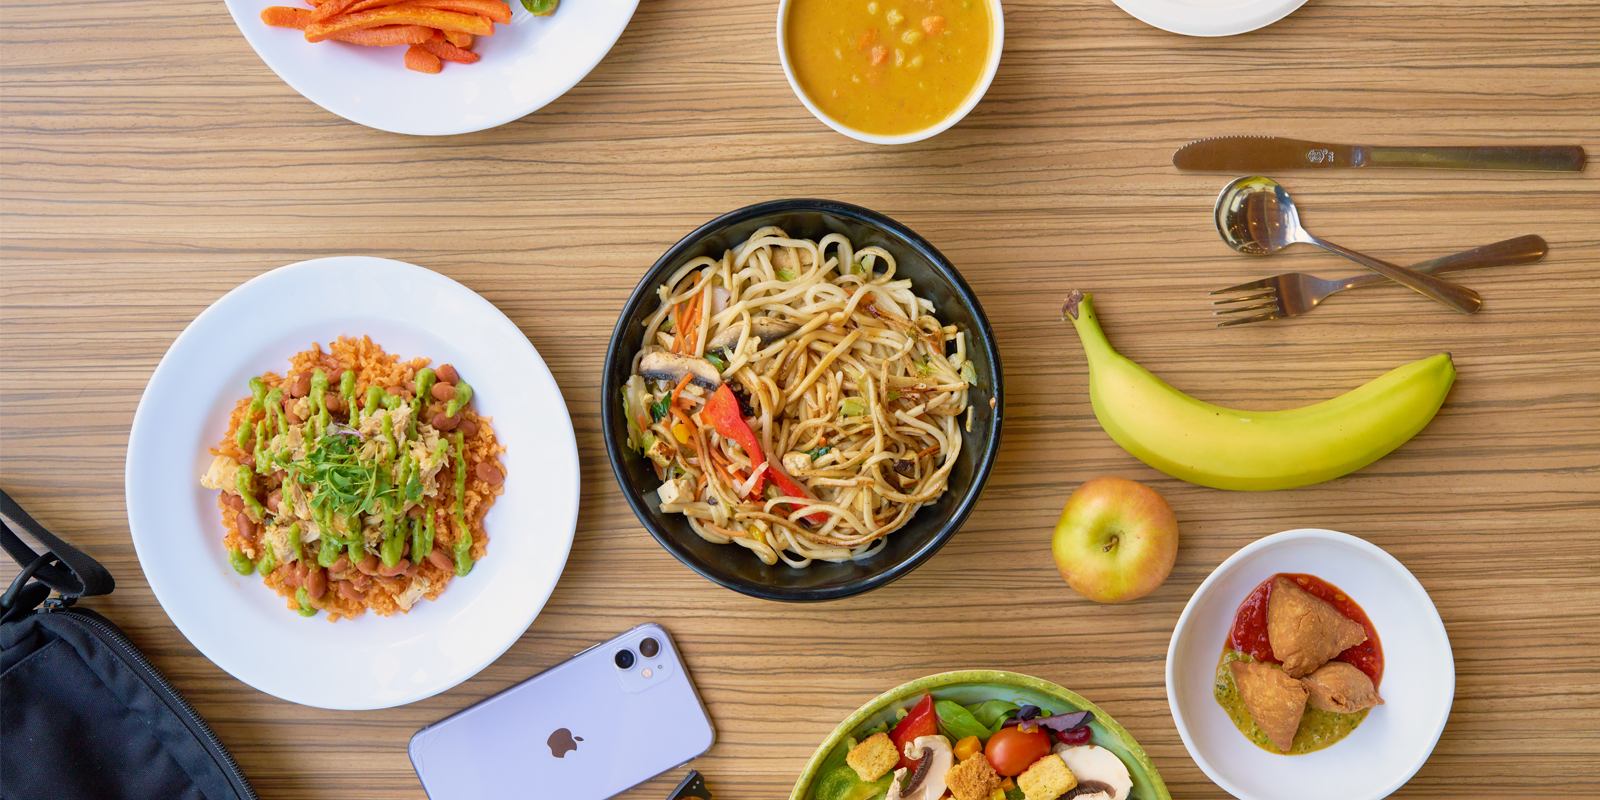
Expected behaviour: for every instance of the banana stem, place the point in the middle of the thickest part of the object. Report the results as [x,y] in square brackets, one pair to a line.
[1079,309]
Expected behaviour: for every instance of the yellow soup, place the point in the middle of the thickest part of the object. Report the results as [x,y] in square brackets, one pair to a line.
[888,67]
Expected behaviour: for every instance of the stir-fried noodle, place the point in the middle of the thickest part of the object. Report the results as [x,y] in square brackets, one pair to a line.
[839,370]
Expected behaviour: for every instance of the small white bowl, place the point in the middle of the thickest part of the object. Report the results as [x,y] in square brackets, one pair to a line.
[1419,674]
[997,42]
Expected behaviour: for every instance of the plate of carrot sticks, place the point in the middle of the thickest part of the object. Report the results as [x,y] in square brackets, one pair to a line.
[432,67]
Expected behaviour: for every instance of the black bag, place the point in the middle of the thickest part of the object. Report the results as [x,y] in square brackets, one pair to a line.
[83,714]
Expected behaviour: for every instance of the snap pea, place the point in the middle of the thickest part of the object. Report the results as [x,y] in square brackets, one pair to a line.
[460,401]
[240,562]
[319,402]
[294,541]
[305,609]
[374,397]
[425,379]
[328,552]
[393,540]
[244,483]
[422,540]
[267,563]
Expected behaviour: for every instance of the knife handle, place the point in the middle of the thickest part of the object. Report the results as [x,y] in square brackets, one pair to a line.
[1549,158]
[1521,250]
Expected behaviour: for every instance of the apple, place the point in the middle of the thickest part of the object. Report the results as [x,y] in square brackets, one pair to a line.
[1116,540]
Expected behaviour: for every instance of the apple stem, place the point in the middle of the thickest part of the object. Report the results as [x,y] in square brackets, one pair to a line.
[1110,545]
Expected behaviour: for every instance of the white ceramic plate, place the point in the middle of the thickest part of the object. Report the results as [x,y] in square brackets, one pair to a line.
[1419,674]
[1209,17]
[240,624]
[524,66]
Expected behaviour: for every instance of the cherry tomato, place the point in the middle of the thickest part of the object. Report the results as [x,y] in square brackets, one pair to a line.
[1076,736]
[1011,751]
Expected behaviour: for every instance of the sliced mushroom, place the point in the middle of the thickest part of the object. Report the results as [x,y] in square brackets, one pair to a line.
[661,365]
[767,329]
[1098,769]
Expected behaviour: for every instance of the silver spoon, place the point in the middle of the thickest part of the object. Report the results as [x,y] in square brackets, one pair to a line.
[1257,217]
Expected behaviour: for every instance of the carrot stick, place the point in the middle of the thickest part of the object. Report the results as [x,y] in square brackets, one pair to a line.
[677,328]
[448,51]
[368,5]
[286,17]
[493,9]
[681,384]
[387,35]
[426,17]
[422,61]
[461,40]
[330,8]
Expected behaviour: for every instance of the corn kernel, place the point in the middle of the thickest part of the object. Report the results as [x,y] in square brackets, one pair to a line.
[899,57]
[911,37]
[917,61]
[872,8]
[895,17]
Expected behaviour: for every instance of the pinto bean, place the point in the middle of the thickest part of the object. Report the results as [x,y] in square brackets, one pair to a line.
[441,560]
[350,592]
[315,582]
[398,569]
[446,374]
[286,575]
[274,499]
[341,565]
[334,402]
[362,582]
[370,565]
[247,527]
[487,473]
[444,423]
[233,501]
[411,571]
[300,386]
[468,428]
[443,391]
[334,376]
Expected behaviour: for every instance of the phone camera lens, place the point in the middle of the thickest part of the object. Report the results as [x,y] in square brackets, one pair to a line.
[649,647]
[624,659]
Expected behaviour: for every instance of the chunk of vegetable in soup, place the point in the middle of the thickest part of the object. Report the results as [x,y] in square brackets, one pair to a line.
[888,67]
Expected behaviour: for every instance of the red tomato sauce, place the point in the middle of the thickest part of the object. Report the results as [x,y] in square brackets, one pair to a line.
[1249,633]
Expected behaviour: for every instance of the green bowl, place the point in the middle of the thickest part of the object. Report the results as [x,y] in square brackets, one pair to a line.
[975,686]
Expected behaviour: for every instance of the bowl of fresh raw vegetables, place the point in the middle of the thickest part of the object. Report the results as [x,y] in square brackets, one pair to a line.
[980,734]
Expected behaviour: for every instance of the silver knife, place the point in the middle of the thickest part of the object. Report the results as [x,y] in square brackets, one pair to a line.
[1268,153]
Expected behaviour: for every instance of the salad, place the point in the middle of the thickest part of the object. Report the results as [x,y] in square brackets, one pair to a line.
[993,750]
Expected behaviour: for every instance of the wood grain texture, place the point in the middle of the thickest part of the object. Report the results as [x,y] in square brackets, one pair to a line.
[149,162]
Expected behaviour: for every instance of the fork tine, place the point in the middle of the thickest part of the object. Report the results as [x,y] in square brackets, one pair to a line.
[1264,283]
[1248,320]
[1271,305]
[1245,298]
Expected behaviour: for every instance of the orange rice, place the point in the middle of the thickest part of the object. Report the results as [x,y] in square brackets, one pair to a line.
[374,367]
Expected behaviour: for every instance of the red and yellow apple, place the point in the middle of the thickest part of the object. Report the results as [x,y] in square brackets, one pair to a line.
[1116,540]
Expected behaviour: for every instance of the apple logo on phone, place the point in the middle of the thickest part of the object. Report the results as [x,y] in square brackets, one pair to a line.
[563,742]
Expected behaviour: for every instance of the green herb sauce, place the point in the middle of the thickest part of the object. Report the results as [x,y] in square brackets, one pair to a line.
[1318,729]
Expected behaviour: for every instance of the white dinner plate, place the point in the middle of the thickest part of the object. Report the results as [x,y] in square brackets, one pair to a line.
[1419,674]
[524,66]
[236,621]
[1209,17]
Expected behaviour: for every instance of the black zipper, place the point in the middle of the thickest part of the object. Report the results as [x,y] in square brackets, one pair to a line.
[106,632]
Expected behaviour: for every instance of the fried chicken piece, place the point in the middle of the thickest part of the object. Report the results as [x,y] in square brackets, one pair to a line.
[1341,688]
[1306,631]
[1275,701]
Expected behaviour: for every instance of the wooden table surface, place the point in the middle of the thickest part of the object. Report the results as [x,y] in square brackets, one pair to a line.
[150,162]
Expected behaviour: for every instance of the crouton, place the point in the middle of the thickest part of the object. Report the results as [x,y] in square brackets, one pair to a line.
[973,779]
[1047,779]
[874,757]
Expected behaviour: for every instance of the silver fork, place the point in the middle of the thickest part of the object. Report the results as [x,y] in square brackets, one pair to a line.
[1295,293]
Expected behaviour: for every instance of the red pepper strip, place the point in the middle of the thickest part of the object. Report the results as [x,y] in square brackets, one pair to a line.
[919,722]
[723,410]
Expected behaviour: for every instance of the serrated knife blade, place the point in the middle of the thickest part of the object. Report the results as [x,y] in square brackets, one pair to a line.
[1269,153]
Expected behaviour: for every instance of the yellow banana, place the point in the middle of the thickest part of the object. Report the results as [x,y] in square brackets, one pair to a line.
[1254,450]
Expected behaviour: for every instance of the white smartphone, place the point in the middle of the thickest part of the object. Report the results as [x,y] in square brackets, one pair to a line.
[613,716]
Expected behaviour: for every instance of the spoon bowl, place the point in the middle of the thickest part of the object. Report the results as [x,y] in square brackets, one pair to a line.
[1257,217]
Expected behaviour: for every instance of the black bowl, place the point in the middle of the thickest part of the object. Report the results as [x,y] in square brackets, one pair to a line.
[932,277]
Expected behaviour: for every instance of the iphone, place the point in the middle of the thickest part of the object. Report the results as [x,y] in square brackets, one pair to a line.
[613,716]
